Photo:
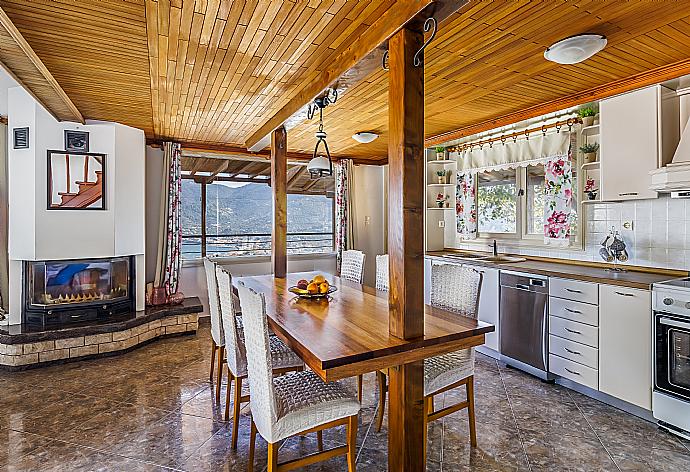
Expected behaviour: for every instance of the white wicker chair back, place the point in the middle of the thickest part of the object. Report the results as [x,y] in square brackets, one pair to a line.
[382,280]
[234,343]
[352,266]
[456,288]
[213,302]
[259,364]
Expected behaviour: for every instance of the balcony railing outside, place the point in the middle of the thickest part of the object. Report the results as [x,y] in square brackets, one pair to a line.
[258,244]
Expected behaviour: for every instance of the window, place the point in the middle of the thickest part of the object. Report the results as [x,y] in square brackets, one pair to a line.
[497,202]
[238,220]
[535,199]
[510,204]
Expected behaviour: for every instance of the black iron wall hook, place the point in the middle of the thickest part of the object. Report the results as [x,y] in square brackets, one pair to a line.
[429,24]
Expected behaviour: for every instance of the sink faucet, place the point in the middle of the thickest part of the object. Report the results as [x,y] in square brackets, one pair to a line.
[495,248]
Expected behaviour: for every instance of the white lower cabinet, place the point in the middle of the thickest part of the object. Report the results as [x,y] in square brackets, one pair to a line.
[625,344]
[574,371]
[488,304]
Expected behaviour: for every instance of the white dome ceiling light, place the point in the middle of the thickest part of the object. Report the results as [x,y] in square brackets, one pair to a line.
[364,137]
[575,48]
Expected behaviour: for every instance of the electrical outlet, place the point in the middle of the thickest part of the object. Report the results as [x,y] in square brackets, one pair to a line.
[441,224]
[627,225]
[367,220]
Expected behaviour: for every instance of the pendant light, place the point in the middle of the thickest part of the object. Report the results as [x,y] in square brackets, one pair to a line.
[321,164]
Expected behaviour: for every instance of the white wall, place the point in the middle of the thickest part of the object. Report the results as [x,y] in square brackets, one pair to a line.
[36,233]
[193,276]
[370,216]
[660,236]
[154,185]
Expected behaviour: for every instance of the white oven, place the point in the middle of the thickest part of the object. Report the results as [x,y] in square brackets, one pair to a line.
[671,394]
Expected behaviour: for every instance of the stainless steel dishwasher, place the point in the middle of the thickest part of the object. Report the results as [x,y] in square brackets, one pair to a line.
[523,318]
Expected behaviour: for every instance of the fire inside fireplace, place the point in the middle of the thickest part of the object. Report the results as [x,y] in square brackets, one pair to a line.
[61,292]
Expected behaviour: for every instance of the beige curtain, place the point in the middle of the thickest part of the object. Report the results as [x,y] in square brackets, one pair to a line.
[509,155]
[4,223]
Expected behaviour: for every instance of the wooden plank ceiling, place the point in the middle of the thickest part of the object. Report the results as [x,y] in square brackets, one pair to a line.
[487,61]
[27,69]
[212,71]
[96,50]
[253,171]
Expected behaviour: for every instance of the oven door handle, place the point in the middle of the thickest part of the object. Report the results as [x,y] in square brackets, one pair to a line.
[675,323]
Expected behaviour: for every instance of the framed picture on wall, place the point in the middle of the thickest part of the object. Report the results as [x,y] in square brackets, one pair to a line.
[76,141]
[76,181]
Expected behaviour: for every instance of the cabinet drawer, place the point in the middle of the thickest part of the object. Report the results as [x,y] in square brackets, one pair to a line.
[572,370]
[576,311]
[574,331]
[574,290]
[580,353]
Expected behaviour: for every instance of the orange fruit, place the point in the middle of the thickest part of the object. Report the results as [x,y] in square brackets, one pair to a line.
[313,288]
[323,287]
[319,279]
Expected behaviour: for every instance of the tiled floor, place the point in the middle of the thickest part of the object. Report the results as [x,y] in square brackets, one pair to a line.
[153,409]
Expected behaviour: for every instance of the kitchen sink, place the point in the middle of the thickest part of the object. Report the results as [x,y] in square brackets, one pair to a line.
[483,257]
[503,259]
[468,255]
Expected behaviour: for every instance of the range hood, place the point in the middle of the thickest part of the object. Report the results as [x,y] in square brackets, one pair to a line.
[674,177]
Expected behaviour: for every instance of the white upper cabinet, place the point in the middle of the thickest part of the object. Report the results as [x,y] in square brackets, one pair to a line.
[629,144]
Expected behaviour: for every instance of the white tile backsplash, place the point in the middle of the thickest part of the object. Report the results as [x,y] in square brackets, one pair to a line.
[660,236]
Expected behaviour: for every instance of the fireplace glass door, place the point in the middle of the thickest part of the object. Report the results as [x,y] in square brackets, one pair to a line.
[60,283]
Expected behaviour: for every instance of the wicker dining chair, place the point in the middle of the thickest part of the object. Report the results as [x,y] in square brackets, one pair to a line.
[217,335]
[352,266]
[294,403]
[282,357]
[454,288]
[382,282]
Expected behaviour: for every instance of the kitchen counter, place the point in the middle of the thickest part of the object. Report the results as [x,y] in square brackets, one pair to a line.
[634,277]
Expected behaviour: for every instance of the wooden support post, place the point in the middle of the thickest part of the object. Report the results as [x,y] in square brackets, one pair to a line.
[406,247]
[279,187]
[203,218]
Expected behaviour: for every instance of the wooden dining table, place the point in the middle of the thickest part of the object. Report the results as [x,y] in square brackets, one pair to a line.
[347,334]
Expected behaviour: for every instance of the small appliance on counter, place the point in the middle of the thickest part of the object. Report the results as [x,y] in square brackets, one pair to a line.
[671,347]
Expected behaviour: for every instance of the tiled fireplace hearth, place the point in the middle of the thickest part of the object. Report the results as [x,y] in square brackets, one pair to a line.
[23,346]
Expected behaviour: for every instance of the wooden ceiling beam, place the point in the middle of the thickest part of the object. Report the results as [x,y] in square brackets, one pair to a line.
[383,28]
[644,79]
[22,63]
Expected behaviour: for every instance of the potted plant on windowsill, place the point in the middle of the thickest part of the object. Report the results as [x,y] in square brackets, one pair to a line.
[589,151]
[442,200]
[440,153]
[587,115]
[441,174]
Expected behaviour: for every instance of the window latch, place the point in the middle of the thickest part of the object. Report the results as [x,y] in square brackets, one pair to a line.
[521,192]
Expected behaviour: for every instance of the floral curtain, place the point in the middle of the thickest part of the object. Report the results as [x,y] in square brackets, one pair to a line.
[344,218]
[466,205]
[169,233]
[559,213]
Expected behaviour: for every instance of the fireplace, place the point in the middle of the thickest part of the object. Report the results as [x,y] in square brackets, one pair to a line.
[58,293]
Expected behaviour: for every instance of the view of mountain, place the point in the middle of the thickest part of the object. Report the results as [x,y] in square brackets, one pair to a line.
[245,211]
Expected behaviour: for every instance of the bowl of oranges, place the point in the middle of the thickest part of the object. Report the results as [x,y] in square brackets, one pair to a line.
[318,287]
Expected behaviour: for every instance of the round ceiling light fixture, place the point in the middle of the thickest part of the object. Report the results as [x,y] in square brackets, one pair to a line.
[364,137]
[575,48]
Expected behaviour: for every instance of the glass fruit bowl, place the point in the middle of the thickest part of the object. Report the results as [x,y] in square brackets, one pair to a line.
[306,294]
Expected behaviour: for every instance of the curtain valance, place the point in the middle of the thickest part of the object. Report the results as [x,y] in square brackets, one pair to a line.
[510,155]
